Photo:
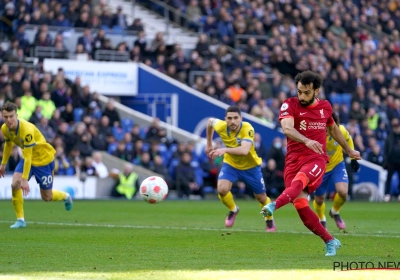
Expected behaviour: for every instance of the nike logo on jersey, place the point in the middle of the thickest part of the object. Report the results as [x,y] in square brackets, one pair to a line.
[303,113]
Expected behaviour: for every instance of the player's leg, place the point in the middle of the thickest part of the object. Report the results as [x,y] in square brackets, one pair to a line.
[254,179]
[311,221]
[18,200]
[44,176]
[17,197]
[226,177]
[319,199]
[295,182]
[340,178]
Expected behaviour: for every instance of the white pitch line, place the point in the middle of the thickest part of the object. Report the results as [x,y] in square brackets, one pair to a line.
[194,228]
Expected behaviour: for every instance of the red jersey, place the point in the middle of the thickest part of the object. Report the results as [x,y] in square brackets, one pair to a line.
[310,121]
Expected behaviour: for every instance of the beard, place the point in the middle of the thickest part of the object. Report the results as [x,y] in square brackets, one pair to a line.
[304,103]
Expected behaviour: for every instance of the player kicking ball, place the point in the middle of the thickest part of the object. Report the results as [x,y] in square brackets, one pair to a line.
[241,162]
[335,173]
[304,120]
[38,160]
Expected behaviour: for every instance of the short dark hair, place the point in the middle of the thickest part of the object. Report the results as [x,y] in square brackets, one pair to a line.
[309,77]
[336,118]
[233,109]
[9,107]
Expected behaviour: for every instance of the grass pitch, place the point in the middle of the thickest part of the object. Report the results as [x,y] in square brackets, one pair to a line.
[188,240]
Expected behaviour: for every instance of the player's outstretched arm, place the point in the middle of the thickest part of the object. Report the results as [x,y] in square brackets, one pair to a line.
[210,133]
[336,134]
[289,130]
[8,146]
[242,150]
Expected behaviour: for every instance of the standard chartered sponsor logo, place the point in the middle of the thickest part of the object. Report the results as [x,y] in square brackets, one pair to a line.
[316,125]
[312,125]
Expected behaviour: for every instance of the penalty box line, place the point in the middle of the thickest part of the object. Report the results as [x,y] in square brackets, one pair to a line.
[196,228]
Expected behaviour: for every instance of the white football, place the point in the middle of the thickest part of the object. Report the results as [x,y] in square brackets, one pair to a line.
[153,189]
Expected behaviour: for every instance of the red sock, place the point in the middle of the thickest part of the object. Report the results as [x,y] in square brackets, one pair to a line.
[289,194]
[310,219]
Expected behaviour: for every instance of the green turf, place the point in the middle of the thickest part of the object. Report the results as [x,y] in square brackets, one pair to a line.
[184,240]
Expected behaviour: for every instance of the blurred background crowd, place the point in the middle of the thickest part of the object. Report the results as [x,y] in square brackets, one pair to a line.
[354,45]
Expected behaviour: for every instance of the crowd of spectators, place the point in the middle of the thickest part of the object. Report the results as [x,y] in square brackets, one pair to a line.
[361,69]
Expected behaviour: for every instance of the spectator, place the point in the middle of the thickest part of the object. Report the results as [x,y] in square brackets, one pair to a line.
[58,96]
[99,166]
[145,160]
[136,25]
[98,42]
[86,40]
[68,114]
[276,153]
[186,178]
[88,167]
[28,101]
[391,155]
[122,153]
[152,132]
[128,183]
[119,19]
[159,168]
[36,115]
[141,42]
[83,22]
[46,130]
[62,166]
[47,105]
[111,113]
[106,18]
[55,121]
[71,15]
[273,179]
[83,144]
[375,155]
[135,133]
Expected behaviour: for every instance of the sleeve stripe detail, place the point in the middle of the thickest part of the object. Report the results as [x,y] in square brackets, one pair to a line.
[330,124]
[285,117]
[31,145]
[247,140]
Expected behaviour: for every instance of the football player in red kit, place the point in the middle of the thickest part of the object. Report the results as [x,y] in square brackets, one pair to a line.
[304,121]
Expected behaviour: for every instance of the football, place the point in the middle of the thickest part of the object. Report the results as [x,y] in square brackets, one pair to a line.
[153,189]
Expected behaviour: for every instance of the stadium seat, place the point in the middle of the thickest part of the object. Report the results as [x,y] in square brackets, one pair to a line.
[172,148]
[118,133]
[118,30]
[346,99]
[143,132]
[112,147]
[129,146]
[127,124]
[199,172]
[335,99]
[146,147]
[78,112]
[164,152]
[171,169]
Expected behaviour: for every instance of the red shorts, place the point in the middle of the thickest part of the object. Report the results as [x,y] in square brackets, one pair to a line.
[311,165]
